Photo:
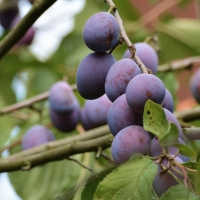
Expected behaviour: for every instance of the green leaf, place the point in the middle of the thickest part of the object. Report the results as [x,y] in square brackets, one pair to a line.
[131,180]
[179,192]
[45,182]
[181,35]
[190,164]
[197,179]
[7,124]
[92,183]
[196,147]
[171,137]
[154,119]
[185,150]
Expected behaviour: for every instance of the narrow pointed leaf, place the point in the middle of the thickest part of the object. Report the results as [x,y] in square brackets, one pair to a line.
[185,150]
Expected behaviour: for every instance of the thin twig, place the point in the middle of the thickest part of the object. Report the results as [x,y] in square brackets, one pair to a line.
[189,115]
[27,102]
[81,164]
[125,37]
[191,170]
[192,133]
[99,152]
[179,64]
[11,145]
[119,42]
[80,129]
[104,155]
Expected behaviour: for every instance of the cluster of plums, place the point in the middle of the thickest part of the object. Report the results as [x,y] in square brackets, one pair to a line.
[115,93]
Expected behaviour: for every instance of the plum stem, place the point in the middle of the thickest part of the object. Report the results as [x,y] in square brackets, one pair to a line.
[129,44]
[81,164]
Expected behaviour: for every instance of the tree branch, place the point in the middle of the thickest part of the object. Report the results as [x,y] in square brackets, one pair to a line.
[55,154]
[125,37]
[192,133]
[91,134]
[189,115]
[38,8]
[179,65]
[28,102]
[174,65]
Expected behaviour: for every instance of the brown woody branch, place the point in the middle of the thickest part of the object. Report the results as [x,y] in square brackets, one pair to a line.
[179,64]
[26,162]
[125,37]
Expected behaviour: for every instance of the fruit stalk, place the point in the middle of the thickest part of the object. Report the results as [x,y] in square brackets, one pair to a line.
[125,37]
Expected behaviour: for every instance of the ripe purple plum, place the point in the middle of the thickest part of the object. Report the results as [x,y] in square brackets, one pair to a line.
[156,150]
[65,122]
[91,74]
[143,87]
[94,113]
[163,183]
[7,16]
[86,123]
[168,101]
[171,118]
[132,139]
[62,98]
[120,115]
[101,32]
[35,136]
[195,85]
[118,77]
[146,54]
